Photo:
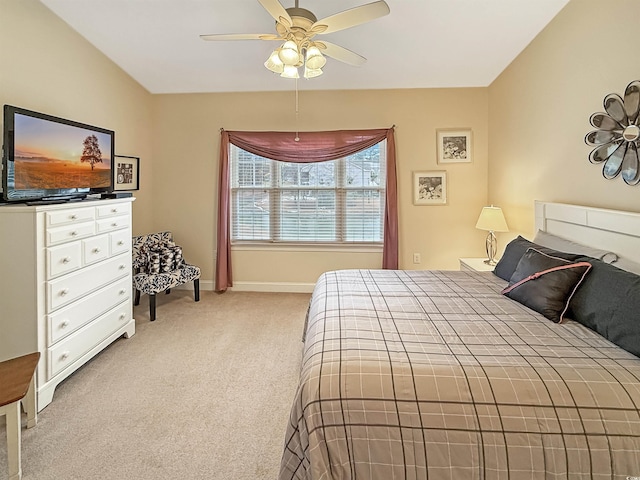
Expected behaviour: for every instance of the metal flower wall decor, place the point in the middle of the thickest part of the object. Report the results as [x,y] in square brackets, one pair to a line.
[617,139]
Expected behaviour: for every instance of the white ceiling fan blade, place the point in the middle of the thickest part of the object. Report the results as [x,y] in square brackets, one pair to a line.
[354,16]
[240,36]
[340,53]
[276,10]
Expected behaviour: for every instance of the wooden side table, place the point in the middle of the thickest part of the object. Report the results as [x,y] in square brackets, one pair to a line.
[17,384]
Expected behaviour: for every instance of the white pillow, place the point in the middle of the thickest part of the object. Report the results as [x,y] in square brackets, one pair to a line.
[628,265]
[569,246]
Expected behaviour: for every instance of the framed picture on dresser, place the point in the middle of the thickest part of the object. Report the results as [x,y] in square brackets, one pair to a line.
[126,174]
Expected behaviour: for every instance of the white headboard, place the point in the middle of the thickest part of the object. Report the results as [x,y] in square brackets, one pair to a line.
[613,230]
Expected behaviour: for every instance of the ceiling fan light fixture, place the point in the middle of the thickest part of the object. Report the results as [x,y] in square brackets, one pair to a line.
[289,53]
[315,59]
[290,71]
[312,72]
[274,63]
[297,27]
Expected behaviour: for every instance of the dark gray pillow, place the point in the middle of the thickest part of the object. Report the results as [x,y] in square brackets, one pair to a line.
[608,301]
[514,251]
[545,283]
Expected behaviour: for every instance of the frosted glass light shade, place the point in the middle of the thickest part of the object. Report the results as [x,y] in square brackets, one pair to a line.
[312,72]
[274,63]
[492,219]
[289,54]
[290,71]
[315,60]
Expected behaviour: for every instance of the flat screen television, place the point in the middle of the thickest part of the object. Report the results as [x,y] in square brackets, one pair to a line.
[46,158]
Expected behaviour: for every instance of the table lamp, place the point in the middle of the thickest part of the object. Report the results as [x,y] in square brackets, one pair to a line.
[492,219]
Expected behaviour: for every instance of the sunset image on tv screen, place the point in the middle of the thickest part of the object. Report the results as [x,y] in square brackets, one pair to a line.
[51,155]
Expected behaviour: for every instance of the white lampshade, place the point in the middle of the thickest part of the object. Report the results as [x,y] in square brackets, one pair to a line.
[274,63]
[492,219]
[315,60]
[289,53]
[290,71]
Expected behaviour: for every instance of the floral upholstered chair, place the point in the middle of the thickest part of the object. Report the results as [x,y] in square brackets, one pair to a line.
[158,266]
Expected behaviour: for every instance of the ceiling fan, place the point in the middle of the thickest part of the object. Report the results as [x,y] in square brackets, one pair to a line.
[296,27]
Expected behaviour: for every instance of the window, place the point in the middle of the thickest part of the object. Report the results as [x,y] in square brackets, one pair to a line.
[339,201]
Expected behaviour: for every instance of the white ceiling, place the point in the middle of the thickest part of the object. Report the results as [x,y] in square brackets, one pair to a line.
[420,44]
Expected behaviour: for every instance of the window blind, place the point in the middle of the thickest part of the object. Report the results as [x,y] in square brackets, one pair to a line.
[338,201]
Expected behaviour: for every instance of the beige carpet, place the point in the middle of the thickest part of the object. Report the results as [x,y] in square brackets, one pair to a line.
[201,393]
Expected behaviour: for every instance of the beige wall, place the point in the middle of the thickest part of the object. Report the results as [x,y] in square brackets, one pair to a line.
[539,110]
[47,67]
[186,149]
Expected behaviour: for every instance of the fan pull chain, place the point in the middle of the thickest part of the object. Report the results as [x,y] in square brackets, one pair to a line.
[297,138]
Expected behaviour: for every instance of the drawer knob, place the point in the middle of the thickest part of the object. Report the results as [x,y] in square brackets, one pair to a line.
[64,291]
[96,250]
[114,224]
[123,316]
[114,210]
[74,217]
[74,233]
[64,324]
[64,355]
[66,260]
[120,243]
[122,266]
[122,292]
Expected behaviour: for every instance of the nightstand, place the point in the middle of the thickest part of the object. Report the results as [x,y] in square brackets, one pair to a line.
[475,265]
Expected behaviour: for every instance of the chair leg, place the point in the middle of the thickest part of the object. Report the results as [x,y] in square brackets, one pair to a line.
[152,307]
[136,298]
[196,289]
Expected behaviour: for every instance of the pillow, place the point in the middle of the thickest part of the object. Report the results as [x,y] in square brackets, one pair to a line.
[163,258]
[514,251]
[608,301]
[628,265]
[565,245]
[545,283]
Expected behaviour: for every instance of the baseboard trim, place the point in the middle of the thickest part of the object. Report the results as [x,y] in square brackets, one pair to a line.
[204,285]
[281,287]
[276,287]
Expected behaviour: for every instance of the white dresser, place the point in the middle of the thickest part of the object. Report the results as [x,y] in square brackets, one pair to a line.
[65,284]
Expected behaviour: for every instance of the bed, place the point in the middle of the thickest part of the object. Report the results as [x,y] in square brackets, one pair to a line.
[438,375]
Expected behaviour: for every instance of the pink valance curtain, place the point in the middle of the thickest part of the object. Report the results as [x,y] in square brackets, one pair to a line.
[310,147]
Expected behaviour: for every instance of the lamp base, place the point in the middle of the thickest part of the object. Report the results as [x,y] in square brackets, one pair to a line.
[492,247]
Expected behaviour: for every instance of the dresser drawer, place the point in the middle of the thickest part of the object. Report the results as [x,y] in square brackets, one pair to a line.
[114,210]
[67,320]
[64,290]
[114,223]
[95,249]
[67,351]
[63,259]
[69,216]
[120,241]
[58,235]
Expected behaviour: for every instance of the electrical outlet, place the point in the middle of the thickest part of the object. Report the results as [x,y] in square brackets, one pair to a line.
[416,258]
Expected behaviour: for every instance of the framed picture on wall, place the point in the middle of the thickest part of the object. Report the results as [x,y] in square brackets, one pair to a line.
[454,146]
[430,188]
[126,174]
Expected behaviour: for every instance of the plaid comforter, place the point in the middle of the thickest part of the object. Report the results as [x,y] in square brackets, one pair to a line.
[436,375]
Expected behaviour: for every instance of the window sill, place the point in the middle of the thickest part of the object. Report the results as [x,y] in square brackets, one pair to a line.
[297,247]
